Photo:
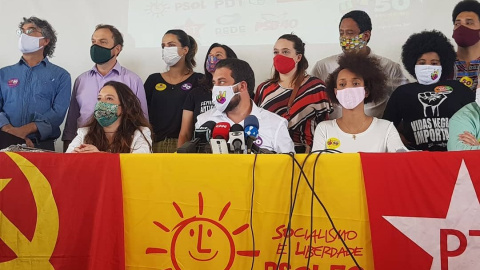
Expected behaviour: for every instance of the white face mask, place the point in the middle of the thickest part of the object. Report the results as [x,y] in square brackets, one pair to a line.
[349,98]
[222,95]
[170,56]
[427,74]
[28,44]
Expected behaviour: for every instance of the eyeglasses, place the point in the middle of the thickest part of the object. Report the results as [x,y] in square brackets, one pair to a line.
[28,31]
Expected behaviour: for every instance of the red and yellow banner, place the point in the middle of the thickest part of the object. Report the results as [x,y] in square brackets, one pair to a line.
[178,212]
[60,212]
[196,212]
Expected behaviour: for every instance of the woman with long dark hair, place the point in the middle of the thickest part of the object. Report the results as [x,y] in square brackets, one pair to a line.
[118,124]
[166,92]
[199,100]
[293,94]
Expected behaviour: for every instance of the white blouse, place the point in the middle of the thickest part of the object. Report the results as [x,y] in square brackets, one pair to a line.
[139,143]
[381,136]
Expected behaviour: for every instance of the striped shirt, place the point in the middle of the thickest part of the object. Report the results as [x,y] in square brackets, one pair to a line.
[467,75]
[310,107]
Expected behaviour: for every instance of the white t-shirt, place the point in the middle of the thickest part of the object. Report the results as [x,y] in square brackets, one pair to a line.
[272,131]
[381,136]
[139,144]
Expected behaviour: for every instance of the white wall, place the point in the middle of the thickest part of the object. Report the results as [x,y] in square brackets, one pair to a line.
[256,25]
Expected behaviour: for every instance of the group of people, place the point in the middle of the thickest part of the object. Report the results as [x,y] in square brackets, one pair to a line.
[356,101]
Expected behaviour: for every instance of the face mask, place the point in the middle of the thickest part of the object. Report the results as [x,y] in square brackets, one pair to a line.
[349,98]
[28,44]
[100,55]
[105,113]
[427,74]
[170,56]
[466,37]
[283,64]
[352,44]
[211,63]
[222,95]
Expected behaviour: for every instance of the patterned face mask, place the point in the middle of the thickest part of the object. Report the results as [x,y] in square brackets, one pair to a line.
[352,44]
[105,113]
[222,95]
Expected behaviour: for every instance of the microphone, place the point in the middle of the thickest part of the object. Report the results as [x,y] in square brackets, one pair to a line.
[204,132]
[201,136]
[219,138]
[237,139]
[251,132]
[220,131]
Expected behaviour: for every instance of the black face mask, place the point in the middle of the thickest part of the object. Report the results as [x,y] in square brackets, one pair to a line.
[100,55]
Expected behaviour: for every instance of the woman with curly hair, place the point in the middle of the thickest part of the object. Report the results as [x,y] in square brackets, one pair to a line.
[421,110]
[118,124]
[358,80]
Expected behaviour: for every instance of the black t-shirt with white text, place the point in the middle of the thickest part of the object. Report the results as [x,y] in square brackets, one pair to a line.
[424,111]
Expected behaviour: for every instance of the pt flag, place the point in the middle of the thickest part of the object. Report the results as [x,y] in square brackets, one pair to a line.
[424,209]
[61,212]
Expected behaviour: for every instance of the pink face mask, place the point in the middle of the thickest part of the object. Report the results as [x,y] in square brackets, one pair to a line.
[349,98]
[466,37]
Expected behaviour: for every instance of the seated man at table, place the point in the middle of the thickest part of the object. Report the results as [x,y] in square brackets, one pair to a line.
[234,80]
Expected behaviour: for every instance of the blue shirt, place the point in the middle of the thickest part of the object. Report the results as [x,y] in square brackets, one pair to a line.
[39,94]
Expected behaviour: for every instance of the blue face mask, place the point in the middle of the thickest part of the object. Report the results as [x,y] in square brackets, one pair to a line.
[105,113]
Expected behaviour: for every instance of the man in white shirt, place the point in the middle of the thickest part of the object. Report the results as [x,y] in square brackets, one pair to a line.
[355,33]
[273,130]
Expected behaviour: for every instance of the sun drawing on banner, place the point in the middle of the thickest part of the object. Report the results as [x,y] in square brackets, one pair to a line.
[201,241]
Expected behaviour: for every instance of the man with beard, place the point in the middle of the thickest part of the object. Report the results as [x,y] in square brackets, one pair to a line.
[234,83]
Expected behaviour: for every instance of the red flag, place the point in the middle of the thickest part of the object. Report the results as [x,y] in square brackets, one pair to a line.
[424,209]
[61,211]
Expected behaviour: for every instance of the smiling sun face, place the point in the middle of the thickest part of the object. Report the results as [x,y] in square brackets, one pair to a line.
[202,238]
[202,242]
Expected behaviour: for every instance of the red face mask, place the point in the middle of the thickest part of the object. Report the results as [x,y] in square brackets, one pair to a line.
[283,64]
[466,37]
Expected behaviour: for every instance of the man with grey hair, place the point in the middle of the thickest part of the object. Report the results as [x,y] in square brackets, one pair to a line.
[34,93]
[107,43]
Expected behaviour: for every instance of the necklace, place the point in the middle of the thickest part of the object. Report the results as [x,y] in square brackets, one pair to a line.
[354,136]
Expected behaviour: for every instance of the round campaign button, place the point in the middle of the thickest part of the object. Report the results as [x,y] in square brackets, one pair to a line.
[160,86]
[333,143]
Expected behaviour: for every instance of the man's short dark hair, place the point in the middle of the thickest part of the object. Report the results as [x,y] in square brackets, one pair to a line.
[47,32]
[361,18]
[117,36]
[466,5]
[241,71]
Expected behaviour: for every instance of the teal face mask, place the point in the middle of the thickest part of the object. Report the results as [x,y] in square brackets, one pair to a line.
[105,113]
[100,54]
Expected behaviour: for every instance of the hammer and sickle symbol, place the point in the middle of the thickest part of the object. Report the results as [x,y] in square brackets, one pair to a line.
[33,254]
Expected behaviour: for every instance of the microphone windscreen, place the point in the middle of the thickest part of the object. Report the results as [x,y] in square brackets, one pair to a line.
[220,131]
[204,132]
[251,120]
[236,127]
[209,124]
